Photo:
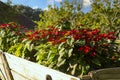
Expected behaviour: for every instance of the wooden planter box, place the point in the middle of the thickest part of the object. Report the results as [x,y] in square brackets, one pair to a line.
[15,68]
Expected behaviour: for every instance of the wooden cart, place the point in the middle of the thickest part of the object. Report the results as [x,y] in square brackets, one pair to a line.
[15,68]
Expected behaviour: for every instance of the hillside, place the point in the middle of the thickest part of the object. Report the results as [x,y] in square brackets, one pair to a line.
[8,14]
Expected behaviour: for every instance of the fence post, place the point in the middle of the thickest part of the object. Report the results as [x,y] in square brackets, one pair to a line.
[6,67]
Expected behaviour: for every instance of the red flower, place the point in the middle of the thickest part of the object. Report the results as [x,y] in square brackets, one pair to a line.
[74,31]
[111,33]
[86,49]
[111,37]
[43,35]
[15,26]
[89,33]
[97,38]
[95,31]
[51,39]
[102,35]
[37,32]
[80,49]
[56,32]
[76,37]
[22,27]
[35,35]
[63,40]
[67,33]
[4,25]
[93,54]
[28,35]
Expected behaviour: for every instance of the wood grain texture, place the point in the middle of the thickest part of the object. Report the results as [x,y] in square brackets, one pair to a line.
[106,74]
[5,67]
[33,71]
[18,76]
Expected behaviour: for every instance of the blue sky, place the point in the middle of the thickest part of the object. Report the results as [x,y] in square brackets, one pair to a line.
[32,3]
[44,3]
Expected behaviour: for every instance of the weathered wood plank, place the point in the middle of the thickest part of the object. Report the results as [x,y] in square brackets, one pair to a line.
[18,76]
[108,70]
[35,71]
[109,76]
[2,74]
[109,79]
[0,60]
[86,77]
[106,74]
[4,68]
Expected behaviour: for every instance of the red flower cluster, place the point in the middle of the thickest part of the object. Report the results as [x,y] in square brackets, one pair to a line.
[86,34]
[32,35]
[52,34]
[55,35]
[110,35]
[10,25]
[4,25]
[92,38]
[85,49]
[91,35]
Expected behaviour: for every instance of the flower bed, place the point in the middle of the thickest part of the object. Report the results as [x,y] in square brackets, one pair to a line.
[75,51]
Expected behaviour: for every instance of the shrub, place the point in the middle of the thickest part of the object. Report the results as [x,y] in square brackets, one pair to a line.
[75,51]
[10,34]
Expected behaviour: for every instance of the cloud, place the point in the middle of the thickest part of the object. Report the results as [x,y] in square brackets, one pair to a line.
[46,9]
[35,7]
[51,1]
[86,3]
[58,0]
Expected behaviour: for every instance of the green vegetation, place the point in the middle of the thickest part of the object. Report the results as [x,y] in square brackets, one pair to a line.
[7,14]
[70,41]
[33,14]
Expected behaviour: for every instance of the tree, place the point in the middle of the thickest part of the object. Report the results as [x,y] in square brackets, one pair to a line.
[28,11]
[7,14]
[65,17]
[105,14]
[9,2]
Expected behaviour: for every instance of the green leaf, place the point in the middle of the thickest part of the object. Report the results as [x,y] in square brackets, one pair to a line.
[12,49]
[23,41]
[41,55]
[19,50]
[70,41]
[60,45]
[61,62]
[80,42]
[29,46]
[70,52]
[96,61]
[0,41]
[117,41]
[62,51]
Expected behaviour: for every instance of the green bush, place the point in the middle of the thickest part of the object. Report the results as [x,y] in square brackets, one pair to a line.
[10,34]
[61,41]
[75,51]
